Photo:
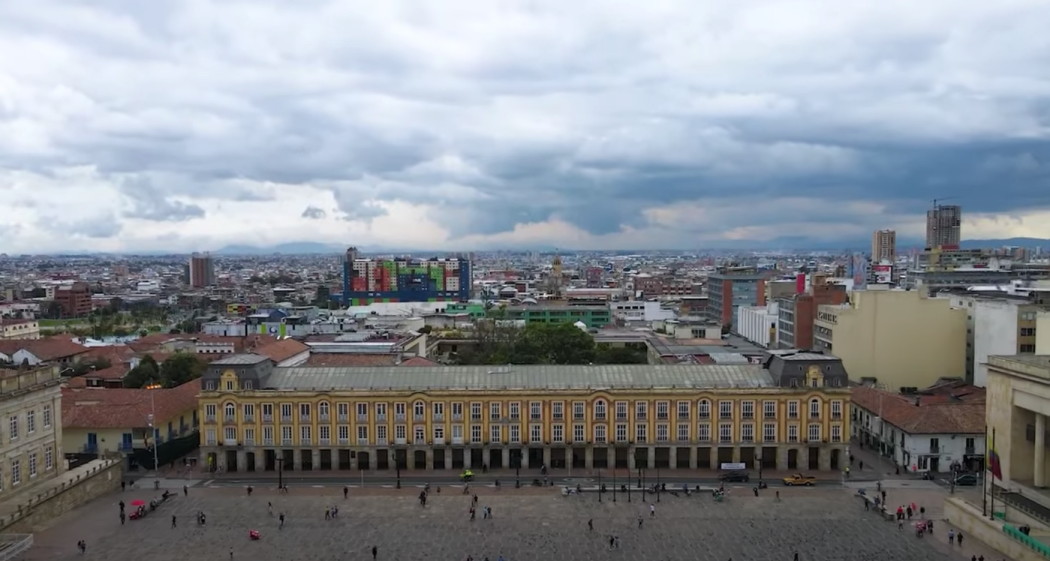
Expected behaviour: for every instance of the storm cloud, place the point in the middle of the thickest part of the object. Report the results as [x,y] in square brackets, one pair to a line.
[595,123]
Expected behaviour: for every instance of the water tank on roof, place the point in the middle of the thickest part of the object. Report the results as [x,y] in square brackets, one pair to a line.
[581,325]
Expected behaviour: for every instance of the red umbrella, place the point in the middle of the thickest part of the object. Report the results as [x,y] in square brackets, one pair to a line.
[138,502]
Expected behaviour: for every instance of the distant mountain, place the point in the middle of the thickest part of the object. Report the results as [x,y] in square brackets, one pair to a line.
[292,248]
[1013,242]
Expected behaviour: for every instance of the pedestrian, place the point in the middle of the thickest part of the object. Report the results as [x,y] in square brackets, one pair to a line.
[617,541]
[346,492]
[755,489]
[269,508]
[778,496]
[973,558]
[652,510]
[900,524]
[281,518]
[250,489]
[958,538]
[122,518]
[231,554]
[612,541]
[590,525]
[121,506]
[796,556]
[640,520]
[185,491]
[327,514]
[867,506]
[123,485]
[173,525]
[951,537]
[862,465]
[922,512]
[909,511]
[375,552]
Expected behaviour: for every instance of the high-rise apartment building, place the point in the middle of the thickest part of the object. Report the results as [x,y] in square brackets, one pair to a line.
[883,246]
[944,226]
[202,270]
[732,287]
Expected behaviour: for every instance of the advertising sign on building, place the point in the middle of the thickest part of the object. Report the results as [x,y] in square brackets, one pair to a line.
[859,271]
[882,273]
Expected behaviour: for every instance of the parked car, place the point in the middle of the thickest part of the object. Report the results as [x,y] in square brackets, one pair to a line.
[966,480]
[735,476]
[799,479]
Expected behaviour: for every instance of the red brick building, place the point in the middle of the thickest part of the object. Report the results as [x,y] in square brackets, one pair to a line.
[75,299]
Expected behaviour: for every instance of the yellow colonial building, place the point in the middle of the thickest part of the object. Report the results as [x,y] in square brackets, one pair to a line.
[788,413]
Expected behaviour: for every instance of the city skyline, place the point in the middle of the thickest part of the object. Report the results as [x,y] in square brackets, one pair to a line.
[188,126]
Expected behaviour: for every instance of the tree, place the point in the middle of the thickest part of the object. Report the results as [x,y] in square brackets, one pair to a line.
[620,355]
[181,368]
[146,373]
[542,343]
[82,367]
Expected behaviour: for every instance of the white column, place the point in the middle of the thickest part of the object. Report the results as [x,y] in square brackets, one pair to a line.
[1040,450]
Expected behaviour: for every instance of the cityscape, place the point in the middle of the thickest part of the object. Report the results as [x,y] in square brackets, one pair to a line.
[278,302]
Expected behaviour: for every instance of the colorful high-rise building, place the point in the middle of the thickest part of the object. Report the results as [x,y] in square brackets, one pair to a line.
[368,281]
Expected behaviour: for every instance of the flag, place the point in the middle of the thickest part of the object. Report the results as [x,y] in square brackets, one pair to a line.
[993,460]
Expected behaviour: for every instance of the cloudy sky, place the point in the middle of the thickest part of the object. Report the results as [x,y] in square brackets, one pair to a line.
[194,124]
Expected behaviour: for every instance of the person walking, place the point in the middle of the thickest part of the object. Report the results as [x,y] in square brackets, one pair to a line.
[173,524]
[590,525]
[346,492]
[375,552]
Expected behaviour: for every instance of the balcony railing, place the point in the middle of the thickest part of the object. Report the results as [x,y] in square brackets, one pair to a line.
[457,440]
[439,417]
[836,415]
[230,442]
[971,450]
[439,441]
[577,416]
[640,415]
[381,441]
[381,418]
[935,449]
[249,418]
[343,417]
[536,416]
[747,415]
[304,418]
[420,442]
[457,416]
[515,416]
[305,441]
[419,418]
[324,417]
[400,441]
[769,414]
[621,416]
[399,417]
[344,441]
[362,418]
[209,418]
[286,442]
[362,442]
[324,441]
[267,442]
[249,442]
[705,414]
[231,418]
[286,419]
[211,442]
[683,416]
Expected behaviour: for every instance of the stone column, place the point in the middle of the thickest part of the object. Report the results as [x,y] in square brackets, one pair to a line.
[373,459]
[316,458]
[297,459]
[630,459]
[448,457]
[466,457]
[242,461]
[525,458]
[260,461]
[692,457]
[652,457]
[547,456]
[736,454]
[588,457]
[673,458]
[430,458]
[713,456]
[568,457]
[1040,451]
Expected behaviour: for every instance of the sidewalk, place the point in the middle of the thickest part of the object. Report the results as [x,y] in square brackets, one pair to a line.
[650,475]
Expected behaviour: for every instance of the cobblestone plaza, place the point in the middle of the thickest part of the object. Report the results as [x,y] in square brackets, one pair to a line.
[527,524]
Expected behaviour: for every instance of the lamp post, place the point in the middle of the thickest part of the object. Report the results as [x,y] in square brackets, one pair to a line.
[280,472]
[153,429]
[517,476]
[599,485]
[397,467]
[760,467]
[628,485]
[614,480]
[658,485]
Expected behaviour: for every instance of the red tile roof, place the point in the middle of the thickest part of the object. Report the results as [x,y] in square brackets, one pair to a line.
[282,350]
[51,348]
[418,361]
[98,408]
[924,413]
[362,359]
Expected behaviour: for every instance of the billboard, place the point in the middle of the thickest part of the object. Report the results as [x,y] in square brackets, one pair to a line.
[859,271]
[883,273]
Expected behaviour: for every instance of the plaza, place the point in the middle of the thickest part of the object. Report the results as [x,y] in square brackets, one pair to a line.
[527,524]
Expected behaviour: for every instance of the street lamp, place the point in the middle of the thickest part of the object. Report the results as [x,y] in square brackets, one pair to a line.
[657,484]
[397,466]
[517,476]
[614,480]
[760,467]
[280,472]
[153,429]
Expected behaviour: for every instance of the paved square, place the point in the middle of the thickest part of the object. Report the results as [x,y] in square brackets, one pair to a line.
[822,525]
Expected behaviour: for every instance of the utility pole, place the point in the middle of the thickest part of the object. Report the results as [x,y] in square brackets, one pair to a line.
[153,429]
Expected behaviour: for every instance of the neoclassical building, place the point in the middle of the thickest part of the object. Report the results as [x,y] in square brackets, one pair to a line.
[788,413]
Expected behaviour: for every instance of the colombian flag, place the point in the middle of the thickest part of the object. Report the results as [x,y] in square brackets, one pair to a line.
[993,461]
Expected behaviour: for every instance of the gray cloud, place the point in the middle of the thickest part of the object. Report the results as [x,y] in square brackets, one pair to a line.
[94,227]
[620,112]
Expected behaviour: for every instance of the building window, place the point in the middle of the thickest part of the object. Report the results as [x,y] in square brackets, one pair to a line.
[704,409]
[814,408]
[683,432]
[419,410]
[268,435]
[324,433]
[814,433]
[457,411]
[362,411]
[662,410]
[836,433]
[457,434]
[703,432]
[419,435]
[400,433]
[725,432]
[16,471]
[496,434]
[475,411]
[343,433]
[229,385]
[1027,348]
[769,409]
[12,428]
[535,410]
[439,433]
[578,409]
[599,410]
[792,410]
[747,432]
[536,433]
[343,411]
[661,432]
[400,411]
[600,434]
[47,416]
[1027,332]
[641,433]
[362,435]
[439,411]
[286,412]
[621,410]
[515,411]
[792,433]
[558,410]
[380,411]
[836,409]
[231,412]
[747,409]
[769,432]
[641,410]
[49,458]
[30,422]
[515,433]
[494,411]
[286,435]
[725,409]
[577,433]
[683,410]
[475,433]
[304,435]
[32,465]
[621,432]
[558,433]
[323,410]
[381,434]
[249,411]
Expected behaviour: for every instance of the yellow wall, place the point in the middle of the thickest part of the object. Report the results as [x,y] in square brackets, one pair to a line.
[28,330]
[902,338]
[109,439]
[1042,333]
[258,398]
